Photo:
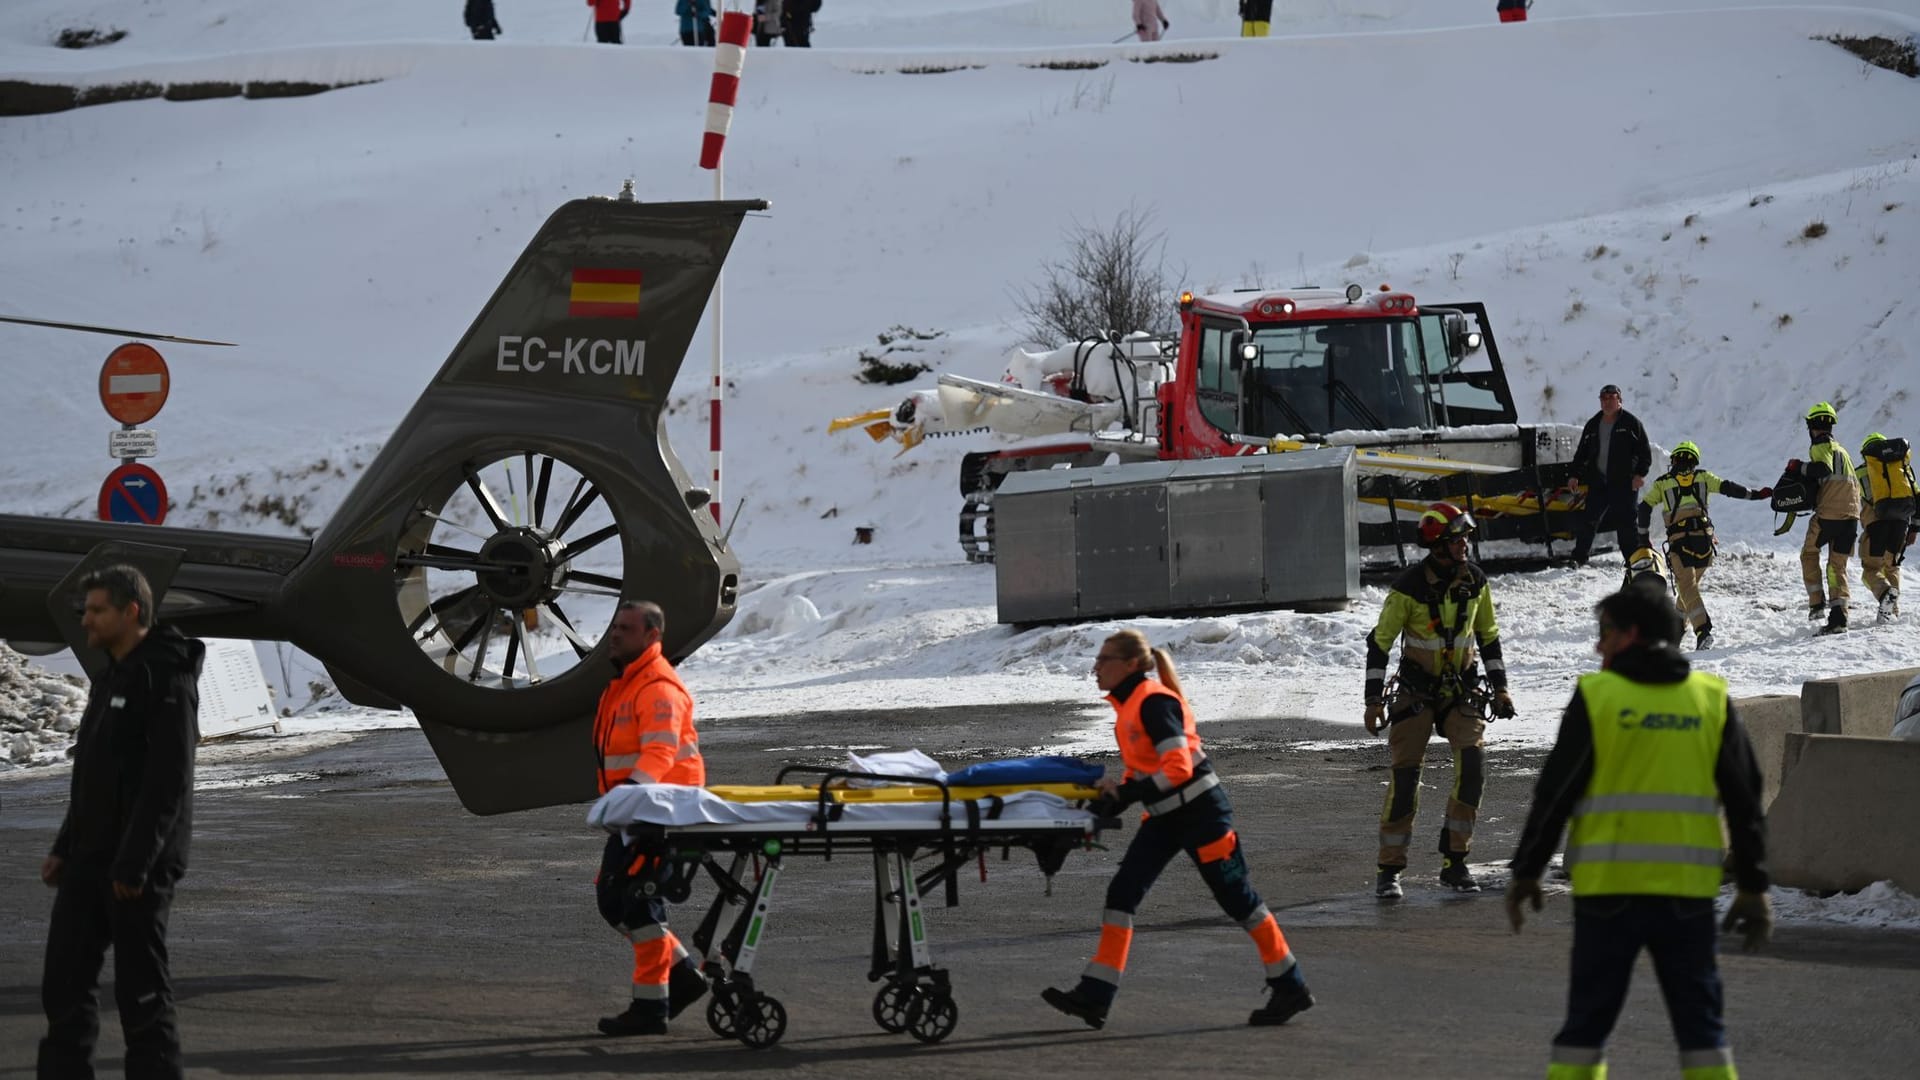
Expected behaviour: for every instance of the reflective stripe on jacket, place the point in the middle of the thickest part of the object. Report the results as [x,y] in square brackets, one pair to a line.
[644,727]
[1649,822]
[1423,610]
[1172,761]
[1837,496]
[1678,503]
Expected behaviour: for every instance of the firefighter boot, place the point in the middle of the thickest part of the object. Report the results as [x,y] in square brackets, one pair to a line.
[1386,884]
[1290,998]
[1836,619]
[641,1018]
[1455,875]
[685,985]
[1889,606]
[1816,608]
[1078,1003]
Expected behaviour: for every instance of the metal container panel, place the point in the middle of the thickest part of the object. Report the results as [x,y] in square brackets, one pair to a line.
[1312,527]
[1263,530]
[1120,534]
[1035,575]
[1214,520]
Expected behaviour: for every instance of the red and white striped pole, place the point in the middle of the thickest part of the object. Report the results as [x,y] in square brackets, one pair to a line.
[729,58]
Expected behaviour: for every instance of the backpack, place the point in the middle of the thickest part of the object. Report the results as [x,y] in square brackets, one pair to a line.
[1791,495]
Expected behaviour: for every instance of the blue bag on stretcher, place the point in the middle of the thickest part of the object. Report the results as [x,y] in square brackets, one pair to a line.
[1046,769]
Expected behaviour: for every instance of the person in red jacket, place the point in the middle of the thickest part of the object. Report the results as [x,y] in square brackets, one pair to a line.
[643,734]
[606,19]
[1186,810]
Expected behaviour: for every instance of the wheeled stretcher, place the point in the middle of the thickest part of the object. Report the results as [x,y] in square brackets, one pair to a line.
[693,829]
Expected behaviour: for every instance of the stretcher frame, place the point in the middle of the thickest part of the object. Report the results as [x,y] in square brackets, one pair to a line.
[915,996]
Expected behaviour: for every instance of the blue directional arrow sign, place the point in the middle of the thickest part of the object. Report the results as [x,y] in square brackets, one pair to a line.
[133,494]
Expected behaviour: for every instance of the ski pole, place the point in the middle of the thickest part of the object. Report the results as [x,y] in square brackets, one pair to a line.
[1131,33]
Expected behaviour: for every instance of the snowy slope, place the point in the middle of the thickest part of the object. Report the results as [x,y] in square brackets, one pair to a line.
[1628,193]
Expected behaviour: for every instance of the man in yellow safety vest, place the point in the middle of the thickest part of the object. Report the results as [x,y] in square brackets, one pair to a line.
[1648,753]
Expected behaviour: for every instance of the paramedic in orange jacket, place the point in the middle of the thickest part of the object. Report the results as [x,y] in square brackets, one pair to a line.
[643,734]
[1186,810]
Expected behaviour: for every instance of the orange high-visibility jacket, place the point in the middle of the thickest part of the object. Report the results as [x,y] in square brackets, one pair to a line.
[644,727]
[1167,758]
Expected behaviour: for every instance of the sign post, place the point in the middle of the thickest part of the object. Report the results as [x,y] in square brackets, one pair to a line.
[133,388]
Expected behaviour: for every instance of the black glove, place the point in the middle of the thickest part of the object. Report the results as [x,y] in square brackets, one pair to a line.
[1164,24]
[1522,891]
[1750,915]
[1503,704]
[1106,806]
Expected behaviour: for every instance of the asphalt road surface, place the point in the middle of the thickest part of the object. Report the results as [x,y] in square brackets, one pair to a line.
[345,917]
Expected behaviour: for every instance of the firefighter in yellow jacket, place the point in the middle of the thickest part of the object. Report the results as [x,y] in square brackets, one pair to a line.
[1681,494]
[1886,517]
[643,734]
[1440,610]
[1828,472]
[1647,756]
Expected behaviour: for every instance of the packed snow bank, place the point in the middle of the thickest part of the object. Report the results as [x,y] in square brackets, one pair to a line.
[39,711]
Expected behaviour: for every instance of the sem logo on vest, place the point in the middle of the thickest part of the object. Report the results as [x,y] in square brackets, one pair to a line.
[575,356]
[1630,719]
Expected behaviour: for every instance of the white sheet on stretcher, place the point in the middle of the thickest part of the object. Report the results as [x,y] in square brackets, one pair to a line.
[681,805]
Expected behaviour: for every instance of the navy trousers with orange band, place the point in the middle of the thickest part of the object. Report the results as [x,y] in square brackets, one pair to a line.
[643,920]
[1204,830]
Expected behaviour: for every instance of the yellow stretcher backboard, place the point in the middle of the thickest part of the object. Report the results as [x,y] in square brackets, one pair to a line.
[749,793]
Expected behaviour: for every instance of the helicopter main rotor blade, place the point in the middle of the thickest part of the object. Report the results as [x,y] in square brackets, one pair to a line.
[85,329]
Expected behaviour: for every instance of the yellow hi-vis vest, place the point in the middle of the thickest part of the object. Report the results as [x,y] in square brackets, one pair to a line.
[1649,823]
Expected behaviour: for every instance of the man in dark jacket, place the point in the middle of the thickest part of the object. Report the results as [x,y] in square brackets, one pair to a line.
[1648,755]
[481,21]
[799,14]
[1612,461]
[124,841]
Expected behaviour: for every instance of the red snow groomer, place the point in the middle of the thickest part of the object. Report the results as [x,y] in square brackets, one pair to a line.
[1418,391]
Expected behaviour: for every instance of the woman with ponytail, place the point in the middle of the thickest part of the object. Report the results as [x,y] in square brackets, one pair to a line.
[1186,810]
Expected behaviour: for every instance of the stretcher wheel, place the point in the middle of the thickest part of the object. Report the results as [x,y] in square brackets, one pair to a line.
[931,1016]
[762,1021]
[720,1018]
[890,1007]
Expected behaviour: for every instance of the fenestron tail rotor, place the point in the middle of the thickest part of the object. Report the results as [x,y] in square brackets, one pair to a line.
[495,573]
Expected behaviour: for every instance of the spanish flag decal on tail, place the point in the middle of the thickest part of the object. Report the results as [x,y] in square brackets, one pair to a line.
[604,294]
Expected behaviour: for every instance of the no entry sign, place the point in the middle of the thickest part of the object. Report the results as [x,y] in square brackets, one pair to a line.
[133,494]
[133,383]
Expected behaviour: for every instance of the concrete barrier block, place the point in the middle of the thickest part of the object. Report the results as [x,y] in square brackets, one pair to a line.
[1845,815]
[1853,704]
[1769,719]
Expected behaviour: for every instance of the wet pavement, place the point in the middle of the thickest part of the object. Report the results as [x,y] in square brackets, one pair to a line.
[344,917]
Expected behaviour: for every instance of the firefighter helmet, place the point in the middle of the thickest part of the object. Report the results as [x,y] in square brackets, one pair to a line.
[1686,450]
[1876,437]
[1444,521]
[1822,413]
